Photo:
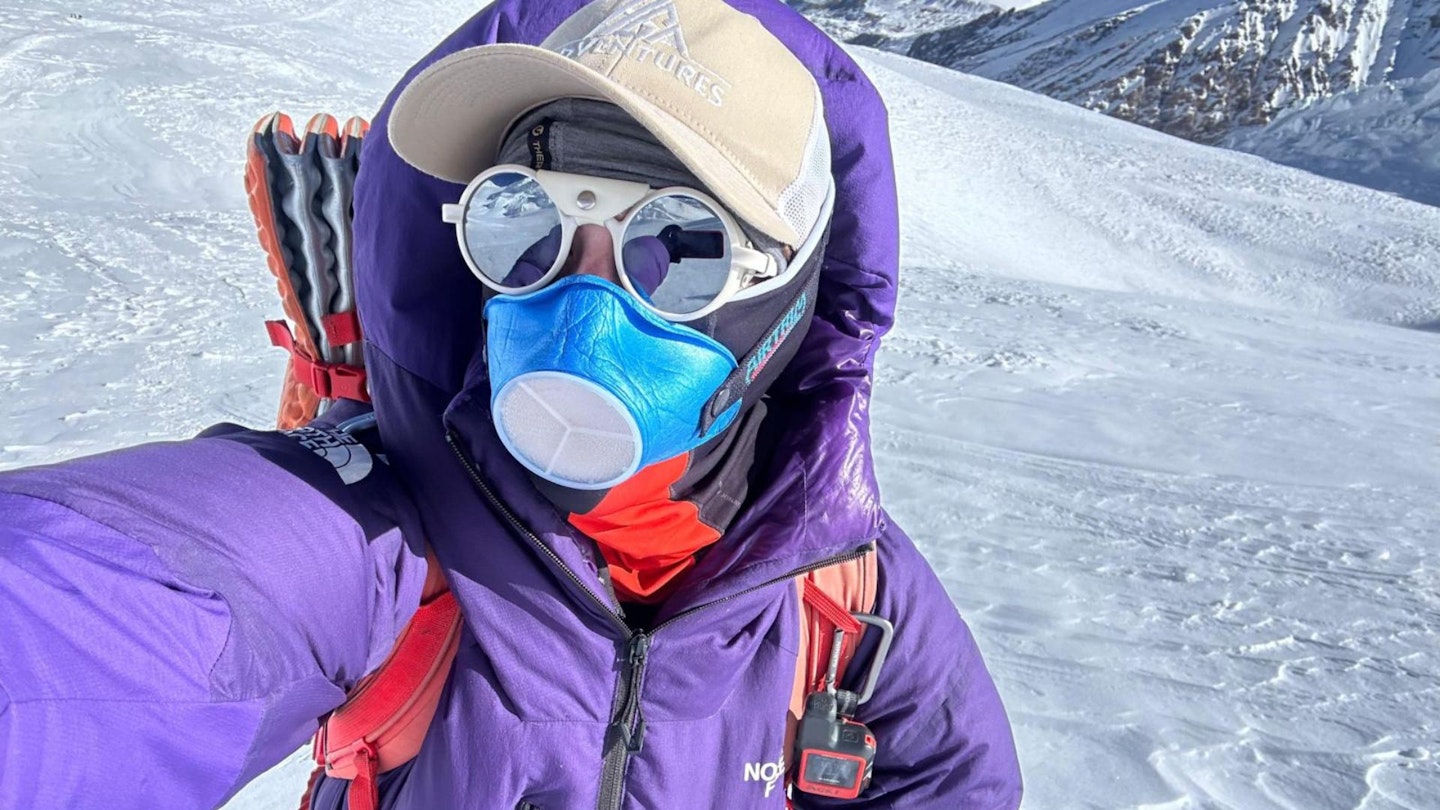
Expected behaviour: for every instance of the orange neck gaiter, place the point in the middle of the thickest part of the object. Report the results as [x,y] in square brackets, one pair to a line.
[646,536]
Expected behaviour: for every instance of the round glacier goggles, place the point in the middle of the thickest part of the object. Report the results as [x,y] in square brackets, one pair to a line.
[677,250]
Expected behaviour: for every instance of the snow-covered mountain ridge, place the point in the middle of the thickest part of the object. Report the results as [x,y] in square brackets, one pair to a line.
[1386,137]
[889,24]
[1193,68]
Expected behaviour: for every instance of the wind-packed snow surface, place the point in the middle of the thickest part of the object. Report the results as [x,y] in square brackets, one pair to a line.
[1164,417]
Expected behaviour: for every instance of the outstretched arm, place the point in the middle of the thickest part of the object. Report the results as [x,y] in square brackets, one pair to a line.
[174,617]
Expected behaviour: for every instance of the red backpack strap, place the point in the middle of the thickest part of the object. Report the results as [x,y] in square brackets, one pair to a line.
[828,597]
[385,718]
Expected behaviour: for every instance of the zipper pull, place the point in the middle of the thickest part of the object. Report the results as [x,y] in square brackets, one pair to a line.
[639,649]
[635,739]
[632,718]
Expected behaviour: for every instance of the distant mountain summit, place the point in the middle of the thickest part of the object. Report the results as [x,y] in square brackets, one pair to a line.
[891,25]
[1193,68]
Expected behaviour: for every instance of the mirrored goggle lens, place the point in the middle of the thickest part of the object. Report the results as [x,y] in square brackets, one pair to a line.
[512,230]
[677,253]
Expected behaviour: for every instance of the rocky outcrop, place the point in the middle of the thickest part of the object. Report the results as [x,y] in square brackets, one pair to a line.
[890,25]
[1192,68]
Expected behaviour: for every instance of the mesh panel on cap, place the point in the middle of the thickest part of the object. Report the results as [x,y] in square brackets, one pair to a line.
[802,200]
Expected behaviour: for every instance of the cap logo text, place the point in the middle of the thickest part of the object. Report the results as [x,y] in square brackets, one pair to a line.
[648,32]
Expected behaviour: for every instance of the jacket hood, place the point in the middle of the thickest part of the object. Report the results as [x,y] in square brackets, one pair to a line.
[814,490]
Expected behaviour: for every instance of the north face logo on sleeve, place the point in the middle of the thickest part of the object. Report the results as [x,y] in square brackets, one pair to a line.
[768,772]
[344,452]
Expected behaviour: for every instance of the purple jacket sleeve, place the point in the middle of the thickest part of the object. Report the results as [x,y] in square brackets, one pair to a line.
[944,739]
[174,617]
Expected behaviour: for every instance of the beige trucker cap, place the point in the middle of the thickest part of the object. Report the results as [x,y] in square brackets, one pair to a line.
[710,82]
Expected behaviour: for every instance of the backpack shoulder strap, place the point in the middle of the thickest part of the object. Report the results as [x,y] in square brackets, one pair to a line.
[384,719]
[828,597]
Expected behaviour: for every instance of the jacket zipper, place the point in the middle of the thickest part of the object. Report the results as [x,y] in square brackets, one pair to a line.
[626,733]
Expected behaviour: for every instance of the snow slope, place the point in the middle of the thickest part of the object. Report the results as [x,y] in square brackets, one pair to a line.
[1141,413]
[1386,137]
[1162,416]
[130,304]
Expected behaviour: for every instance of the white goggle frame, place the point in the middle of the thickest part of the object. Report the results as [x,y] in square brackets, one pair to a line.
[585,200]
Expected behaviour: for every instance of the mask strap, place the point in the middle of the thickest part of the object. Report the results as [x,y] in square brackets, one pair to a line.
[733,389]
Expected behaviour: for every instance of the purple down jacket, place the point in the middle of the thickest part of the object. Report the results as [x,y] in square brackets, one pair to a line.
[175,617]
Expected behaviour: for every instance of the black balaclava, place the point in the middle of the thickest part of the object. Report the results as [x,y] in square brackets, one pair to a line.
[584,136]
